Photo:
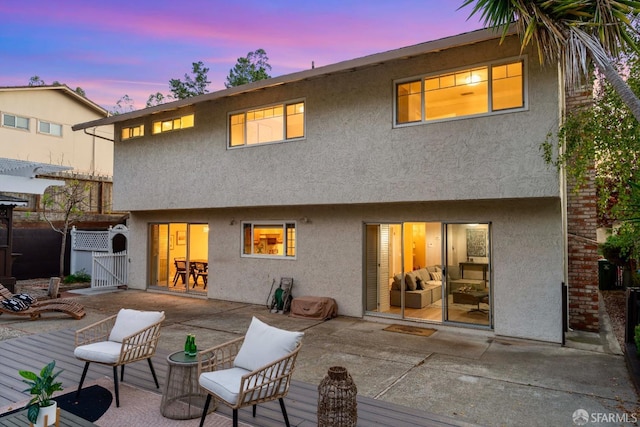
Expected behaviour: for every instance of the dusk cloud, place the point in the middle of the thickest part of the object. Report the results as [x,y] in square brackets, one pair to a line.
[135,47]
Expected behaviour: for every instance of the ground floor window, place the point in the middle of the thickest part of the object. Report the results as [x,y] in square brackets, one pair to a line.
[178,258]
[431,271]
[269,239]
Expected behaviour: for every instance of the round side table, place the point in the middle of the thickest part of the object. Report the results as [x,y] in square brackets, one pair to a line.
[182,397]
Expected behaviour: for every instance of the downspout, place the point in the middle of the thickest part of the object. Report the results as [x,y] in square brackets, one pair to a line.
[562,176]
[98,136]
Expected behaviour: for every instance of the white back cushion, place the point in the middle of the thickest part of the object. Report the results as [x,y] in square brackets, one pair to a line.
[264,344]
[131,321]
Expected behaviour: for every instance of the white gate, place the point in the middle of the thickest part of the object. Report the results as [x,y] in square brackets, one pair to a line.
[109,270]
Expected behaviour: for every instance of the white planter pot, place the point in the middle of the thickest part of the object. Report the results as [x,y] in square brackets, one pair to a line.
[50,412]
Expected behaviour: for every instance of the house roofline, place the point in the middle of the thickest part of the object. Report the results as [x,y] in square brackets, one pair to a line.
[463,39]
[65,90]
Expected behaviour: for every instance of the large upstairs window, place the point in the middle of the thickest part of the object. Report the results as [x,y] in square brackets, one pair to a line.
[275,123]
[474,91]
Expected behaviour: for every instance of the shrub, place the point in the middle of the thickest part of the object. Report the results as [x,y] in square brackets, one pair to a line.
[78,277]
[637,339]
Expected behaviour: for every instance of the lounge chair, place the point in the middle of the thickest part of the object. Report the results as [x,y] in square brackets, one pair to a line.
[35,310]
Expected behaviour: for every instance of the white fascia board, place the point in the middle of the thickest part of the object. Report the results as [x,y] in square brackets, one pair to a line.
[20,184]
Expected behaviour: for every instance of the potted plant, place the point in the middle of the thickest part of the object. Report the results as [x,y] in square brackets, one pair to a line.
[42,388]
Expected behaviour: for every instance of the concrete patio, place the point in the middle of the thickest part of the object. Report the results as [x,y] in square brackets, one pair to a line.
[454,373]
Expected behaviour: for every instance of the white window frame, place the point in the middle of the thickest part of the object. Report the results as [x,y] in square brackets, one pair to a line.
[40,131]
[286,225]
[16,117]
[284,105]
[489,65]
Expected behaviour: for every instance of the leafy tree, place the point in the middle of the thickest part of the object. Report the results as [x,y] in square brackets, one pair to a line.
[158,99]
[573,33]
[605,134]
[36,81]
[124,105]
[67,203]
[80,91]
[191,86]
[253,67]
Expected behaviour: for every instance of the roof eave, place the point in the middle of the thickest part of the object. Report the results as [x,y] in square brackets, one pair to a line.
[469,38]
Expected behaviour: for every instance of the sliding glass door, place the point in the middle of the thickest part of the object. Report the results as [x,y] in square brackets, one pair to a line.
[428,271]
[468,274]
[178,257]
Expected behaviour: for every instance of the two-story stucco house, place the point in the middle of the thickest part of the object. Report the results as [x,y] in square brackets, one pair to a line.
[407,185]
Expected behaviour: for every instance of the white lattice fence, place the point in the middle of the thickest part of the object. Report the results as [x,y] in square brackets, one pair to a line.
[83,244]
[109,270]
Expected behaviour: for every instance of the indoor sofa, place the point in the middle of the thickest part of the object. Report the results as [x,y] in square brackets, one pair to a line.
[422,288]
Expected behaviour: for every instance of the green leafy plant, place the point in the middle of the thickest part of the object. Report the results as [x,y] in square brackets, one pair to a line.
[78,277]
[41,388]
[622,248]
[637,339]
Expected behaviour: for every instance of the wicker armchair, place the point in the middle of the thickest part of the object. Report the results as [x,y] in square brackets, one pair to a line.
[126,337]
[249,370]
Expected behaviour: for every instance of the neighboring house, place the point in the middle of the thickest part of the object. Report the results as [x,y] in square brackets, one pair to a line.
[36,126]
[357,179]
[36,140]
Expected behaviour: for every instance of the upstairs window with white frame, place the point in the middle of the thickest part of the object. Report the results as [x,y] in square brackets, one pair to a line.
[269,239]
[17,122]
[275,123]
[475,91]
[49,128]
[176,123]
[132,132]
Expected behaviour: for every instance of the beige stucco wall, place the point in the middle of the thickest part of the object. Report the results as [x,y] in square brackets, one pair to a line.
[526,255]
[352,168]
[352,153]
[86,154]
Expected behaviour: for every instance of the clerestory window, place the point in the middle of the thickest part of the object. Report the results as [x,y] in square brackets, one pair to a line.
[132,132]
[176,123]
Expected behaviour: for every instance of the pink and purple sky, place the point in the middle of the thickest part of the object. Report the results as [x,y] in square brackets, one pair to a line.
[134,47]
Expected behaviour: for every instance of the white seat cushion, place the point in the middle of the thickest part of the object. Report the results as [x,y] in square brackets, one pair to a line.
[224,383]
[102,352]
[264,344]
[131,321]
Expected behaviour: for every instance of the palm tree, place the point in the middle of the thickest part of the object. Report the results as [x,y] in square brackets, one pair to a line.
[573,33]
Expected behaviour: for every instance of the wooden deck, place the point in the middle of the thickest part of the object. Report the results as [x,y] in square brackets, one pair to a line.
[35,351]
